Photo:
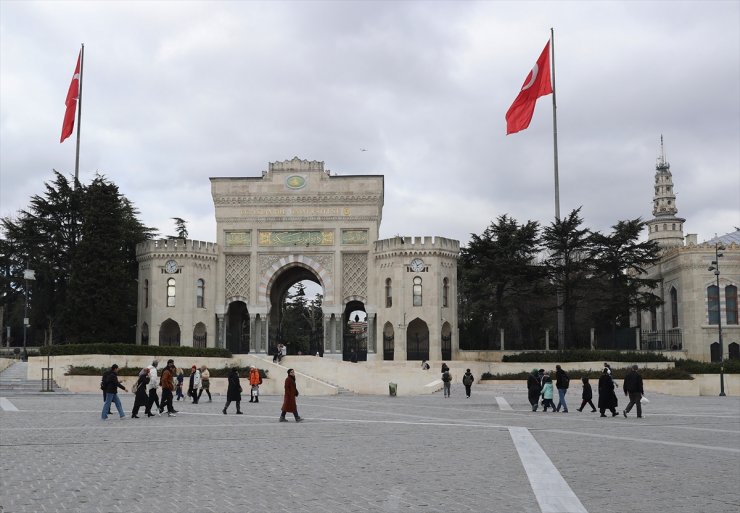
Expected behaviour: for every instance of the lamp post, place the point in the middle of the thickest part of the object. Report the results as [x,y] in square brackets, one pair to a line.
[28,275]
[715,267]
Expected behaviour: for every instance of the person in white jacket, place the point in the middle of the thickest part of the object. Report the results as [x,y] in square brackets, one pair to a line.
[152,387]
[194,384]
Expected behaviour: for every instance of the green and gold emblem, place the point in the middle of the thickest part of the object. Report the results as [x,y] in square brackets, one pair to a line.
[295,182]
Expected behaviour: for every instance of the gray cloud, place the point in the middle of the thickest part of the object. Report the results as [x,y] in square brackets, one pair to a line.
[177,92]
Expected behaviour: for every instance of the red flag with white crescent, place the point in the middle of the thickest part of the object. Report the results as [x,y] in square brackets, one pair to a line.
[71,102]
[535,85]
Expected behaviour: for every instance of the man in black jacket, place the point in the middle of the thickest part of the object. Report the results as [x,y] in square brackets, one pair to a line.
[632,386]
[111,386]
[562,381]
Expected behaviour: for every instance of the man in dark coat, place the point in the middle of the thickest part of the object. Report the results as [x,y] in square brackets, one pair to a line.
[234,391]
[110,387]
[632,386]
[562,381]
[291,392]
[607,397]
[534,388]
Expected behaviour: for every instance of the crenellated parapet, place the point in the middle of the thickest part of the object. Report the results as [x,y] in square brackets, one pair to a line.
[176,248]
[296,164]
[417,245]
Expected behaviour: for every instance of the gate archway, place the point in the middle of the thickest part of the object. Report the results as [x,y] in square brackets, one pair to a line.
[388,341]
[417,340]
[354,332]
[169,333]
[237,328]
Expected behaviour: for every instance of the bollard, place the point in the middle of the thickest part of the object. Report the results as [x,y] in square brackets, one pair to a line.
[392,388]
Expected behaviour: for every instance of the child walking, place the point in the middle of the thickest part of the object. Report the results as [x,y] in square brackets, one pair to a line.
[547,393]
[587,396]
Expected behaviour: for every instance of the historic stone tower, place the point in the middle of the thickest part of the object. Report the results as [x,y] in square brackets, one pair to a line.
[665,227]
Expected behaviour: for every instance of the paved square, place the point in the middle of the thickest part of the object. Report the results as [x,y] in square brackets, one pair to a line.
[368,453]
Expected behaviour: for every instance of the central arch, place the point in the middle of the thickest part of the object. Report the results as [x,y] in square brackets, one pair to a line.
[297,325]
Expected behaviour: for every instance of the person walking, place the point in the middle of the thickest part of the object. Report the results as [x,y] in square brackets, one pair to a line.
[547,393]
[534,389]
[194,384]
[587,395]
[607,397]
[446,380]
[255,380]
[234,392]
[111,384]
[152,389]
[141,391]
[205,382]
[168,387]
[178,388]
[468,382]
[102,387]
[289,403]
[562,381]
[632,386]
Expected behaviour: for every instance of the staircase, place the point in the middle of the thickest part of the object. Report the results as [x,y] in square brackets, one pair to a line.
[13,380]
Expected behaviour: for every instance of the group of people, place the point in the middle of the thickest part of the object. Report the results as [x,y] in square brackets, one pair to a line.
[171,380]
[540,387]
[467,379]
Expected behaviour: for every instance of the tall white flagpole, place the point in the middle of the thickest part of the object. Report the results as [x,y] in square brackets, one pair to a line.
[79,116]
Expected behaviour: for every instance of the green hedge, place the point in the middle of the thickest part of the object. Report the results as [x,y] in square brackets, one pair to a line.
[585,355]
[593,375]
[87,370]
[133,349]
[695,367]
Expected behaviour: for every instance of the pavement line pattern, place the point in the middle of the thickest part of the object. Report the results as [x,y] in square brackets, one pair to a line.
[646,440]
[551,490]
[502,404]
[6,405]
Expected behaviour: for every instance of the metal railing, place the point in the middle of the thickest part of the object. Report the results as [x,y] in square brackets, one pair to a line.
[663,340]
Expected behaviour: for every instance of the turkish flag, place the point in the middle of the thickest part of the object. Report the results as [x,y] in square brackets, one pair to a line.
[71,102]
[535,85]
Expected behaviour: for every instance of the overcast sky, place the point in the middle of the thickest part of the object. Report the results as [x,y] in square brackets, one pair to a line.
[177,92]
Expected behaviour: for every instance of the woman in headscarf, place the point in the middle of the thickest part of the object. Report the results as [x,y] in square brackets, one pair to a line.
[607,397]
[291,392]
[142,394]
[234,391]
[534,388]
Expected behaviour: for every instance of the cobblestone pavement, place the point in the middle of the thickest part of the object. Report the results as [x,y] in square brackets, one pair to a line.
[370,453]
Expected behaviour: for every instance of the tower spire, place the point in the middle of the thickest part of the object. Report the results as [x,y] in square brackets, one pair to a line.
[665,227]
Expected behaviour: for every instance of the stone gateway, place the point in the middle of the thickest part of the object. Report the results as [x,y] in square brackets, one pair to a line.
[299,222]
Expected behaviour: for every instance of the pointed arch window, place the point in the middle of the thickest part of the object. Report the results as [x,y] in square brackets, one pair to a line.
[388,293]
[417,291]
[713,304]
[653,319]
[146,293]
[674,307]
[200,293]
[445,292]
[170,292]
[731,303]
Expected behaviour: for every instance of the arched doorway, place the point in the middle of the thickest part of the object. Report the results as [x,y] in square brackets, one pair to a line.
[169,333]
[145,334]
[354,334]
[733,351]
[388,343]
[714,352]
[199,335]
[237,328]
[417,340]
[446,341]
[296,318]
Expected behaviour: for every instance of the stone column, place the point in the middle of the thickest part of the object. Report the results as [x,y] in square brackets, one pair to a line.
[399,344]
[328,339]
[501,331]
[371,342]
[637,338]
[220,332]
[254,342]
[339,332]
[547,340]
[593,338]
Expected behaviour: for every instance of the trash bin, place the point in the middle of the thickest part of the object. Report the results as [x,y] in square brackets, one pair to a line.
[392,389]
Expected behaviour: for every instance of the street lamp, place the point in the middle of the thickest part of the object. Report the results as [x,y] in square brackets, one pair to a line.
[715,267]
[28,275]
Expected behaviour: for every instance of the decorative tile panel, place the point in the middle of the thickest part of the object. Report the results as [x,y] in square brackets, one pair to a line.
[354,275]
[354,236]
[237,275]
[239,238]
[296,238]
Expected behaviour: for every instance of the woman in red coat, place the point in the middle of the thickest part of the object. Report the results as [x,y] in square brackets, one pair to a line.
[291,392]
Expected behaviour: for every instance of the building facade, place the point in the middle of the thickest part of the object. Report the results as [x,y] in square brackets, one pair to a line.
[697,302]
[299,222]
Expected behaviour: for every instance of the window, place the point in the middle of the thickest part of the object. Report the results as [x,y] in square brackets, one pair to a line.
[673,226]
[417,291]
[170,292]
[731,303]
[200,287]
[674,307]
[713,304]
[388,293]
[445,292]
[653,319]
[665,226]
[146,293]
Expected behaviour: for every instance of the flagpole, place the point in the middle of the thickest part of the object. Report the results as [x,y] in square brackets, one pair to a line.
[559,293]
[79,116]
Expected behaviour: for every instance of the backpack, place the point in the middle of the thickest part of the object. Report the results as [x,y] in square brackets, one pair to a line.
[104,380]
[446,377]
[467,380]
